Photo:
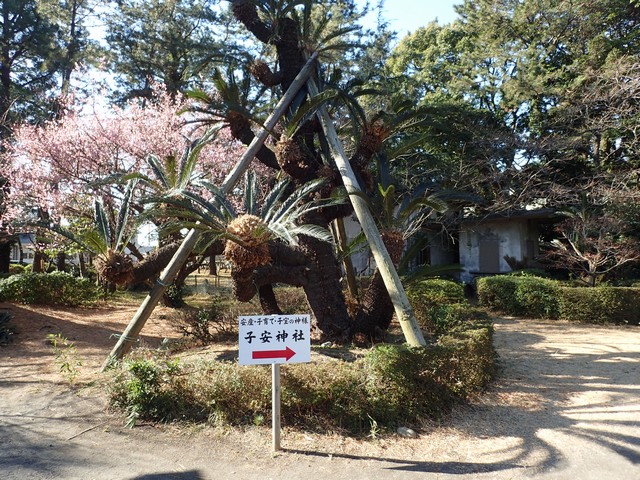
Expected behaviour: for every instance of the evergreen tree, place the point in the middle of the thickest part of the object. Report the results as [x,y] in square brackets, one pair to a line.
[173,42]
[537,96]
[27,42]
[74,46]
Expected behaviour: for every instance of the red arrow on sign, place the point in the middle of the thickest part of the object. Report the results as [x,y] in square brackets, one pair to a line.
[272,354]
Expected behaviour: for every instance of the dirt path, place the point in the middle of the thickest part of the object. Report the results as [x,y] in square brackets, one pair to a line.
[566,405]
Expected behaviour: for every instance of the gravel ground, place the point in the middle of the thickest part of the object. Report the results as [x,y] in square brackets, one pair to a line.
[566,405]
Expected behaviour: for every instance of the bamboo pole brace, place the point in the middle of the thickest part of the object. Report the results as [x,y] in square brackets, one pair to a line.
[130,335]
[401,305]
[341,239]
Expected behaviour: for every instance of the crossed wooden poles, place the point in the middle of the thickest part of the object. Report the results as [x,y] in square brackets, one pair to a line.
[403,310]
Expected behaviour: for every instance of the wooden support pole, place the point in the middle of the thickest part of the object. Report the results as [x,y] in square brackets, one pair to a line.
[143,313]
[276,390]
[130,335]
[341,240]
[401,305]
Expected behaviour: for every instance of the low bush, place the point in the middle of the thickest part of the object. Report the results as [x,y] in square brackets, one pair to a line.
[390,385]
[16,268]
[455,317]
[539,297]
[519,295]
[465,361]
[401,386]
[429,296]
[218,320]
[600,304]
[48,289]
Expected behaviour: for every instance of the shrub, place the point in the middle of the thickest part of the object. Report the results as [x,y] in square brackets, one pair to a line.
[389,386]
[207,325]
[16,268]
[174,295]
[143,394]
[519,295]
[48,289]
[429,295]
[219,319]
[538,297]
[401,387]
[458,317]
[465,362]
[600,304]
[326,395]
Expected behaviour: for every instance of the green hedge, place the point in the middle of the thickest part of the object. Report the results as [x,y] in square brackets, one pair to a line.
[389,386]
[16,268]
[428,297]
[519,295]
[600,304]
[544,298]
[56,288]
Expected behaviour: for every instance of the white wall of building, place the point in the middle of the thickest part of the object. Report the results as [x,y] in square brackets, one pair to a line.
[511,238]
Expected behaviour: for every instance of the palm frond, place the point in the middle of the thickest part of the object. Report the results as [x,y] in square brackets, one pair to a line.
[273,197]
[286,207]
[308,110]
[250,193]
[314,231]
[158,170]
[102,222]
[190,156]
[92,241]
[218,199]
[123,216]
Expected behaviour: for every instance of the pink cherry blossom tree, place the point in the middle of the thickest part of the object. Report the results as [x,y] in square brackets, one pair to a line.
[56,171]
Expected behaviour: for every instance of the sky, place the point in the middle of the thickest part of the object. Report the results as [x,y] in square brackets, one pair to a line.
[406,16]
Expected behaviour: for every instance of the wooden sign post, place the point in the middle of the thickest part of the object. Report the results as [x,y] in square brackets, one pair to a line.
[274,339]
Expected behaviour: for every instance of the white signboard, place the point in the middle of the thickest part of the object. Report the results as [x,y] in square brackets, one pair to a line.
[267,339]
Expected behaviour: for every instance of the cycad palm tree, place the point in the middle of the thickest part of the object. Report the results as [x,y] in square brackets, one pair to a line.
[287,31]
[263,243]
[400,210]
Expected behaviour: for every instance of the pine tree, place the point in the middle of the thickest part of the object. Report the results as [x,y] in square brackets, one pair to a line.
[171,42]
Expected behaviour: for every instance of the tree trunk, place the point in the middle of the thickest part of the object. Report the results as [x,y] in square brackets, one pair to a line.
[268,300]
[320,274]
[341,239]
[153,263]
[5,256]
[82,265]
[374,318]
[61,259]
[324,292]
[398,296]
[38,262]
[213,269]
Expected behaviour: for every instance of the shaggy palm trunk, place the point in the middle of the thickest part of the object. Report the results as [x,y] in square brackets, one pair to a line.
[268,300]
[323,290]
[341,239]
[154,262]
[376,313]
